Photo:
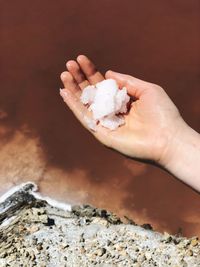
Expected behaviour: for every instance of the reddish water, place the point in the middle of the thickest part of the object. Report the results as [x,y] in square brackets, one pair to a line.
[41,140]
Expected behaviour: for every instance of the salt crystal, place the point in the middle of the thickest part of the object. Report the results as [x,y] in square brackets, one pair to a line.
[106,101]
[112,122]
[87,97]
[91,123]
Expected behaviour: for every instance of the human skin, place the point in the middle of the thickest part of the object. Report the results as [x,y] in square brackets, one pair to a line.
[154,129]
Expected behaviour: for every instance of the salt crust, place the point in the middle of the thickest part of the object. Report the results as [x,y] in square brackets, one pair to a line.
[107,103]
[37,195]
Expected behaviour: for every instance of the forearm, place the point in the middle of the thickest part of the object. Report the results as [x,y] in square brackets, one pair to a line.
[182,157]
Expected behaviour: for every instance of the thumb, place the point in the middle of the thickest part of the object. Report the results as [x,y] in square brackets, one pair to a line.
[135,87]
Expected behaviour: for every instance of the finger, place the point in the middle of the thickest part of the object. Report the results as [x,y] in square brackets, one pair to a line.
[70,83]
[79,110]
[89,69]
[77,73]
[135,86]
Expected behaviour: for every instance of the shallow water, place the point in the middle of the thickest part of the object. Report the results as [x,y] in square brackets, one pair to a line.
[39,138]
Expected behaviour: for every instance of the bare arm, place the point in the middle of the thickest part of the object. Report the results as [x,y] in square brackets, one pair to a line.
[182,156]
[154,129]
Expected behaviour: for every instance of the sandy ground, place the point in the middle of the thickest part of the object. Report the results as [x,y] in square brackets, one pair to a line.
[35,233]
[39,138]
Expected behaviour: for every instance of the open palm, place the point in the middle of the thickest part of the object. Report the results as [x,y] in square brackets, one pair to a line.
[150,123]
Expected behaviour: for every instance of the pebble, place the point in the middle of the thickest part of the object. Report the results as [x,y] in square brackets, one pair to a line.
[194,242]
[101,252]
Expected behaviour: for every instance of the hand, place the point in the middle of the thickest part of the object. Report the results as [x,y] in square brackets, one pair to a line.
[153,129]
[151,123]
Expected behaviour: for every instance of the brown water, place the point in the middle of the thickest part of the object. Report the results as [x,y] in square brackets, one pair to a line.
[41,140]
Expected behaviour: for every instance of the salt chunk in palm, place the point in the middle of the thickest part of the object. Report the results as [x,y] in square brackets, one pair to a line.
[121,100]
[106,101]
[112,122]
[91,123]
[88,94]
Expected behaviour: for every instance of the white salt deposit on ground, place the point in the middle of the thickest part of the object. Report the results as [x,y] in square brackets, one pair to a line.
[15,189]
[107,102]
[53,202]
[50,201]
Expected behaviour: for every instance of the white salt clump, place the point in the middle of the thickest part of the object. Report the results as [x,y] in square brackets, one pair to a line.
[122,98]
[87,97]
[112,122]
[91,123]
[106,101]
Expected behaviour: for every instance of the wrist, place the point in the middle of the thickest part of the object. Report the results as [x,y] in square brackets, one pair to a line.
[175,141]
[182,155]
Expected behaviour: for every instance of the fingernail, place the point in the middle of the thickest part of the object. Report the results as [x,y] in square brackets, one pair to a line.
[62,76]
[79,57]
[69,63]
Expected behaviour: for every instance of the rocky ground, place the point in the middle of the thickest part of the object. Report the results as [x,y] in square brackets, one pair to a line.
[34,232]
